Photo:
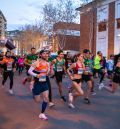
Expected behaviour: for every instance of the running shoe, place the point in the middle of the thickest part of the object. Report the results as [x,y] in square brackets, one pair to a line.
[93,93]
[43,116]
[51,104]
[70,105]
[86,101]
[101,85]
[63,98]
[11,92]
[70,97]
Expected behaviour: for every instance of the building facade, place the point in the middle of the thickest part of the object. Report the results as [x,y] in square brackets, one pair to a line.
[66,36]
[3,25]
[100,26]
[3,28]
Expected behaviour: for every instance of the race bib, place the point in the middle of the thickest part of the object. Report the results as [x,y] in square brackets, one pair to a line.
[21,63]
[87,69]
[9,66]
[59,69]
[80,71]
[42,79]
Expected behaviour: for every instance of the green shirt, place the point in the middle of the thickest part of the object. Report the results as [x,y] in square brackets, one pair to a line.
[59,65]
[31,58]
[88,64]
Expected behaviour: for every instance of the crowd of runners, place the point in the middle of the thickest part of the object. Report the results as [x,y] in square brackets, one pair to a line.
[80,68]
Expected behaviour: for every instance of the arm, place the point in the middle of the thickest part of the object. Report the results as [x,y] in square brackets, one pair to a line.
[70,68]
[26,62]
[53,62]
[30,71]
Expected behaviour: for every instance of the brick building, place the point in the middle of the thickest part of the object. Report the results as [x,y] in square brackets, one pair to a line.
[3,25]
[100,26]
[66,36]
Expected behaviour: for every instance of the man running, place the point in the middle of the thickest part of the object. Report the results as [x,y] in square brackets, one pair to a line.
[39,70]
[59,71]
[9,68]
[31,58]
[87,75]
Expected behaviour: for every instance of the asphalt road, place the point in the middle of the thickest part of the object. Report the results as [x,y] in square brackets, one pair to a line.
[19,111]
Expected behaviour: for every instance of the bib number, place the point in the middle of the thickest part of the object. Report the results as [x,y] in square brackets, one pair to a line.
[9,66]
[21,63]
[42,79]
[59,69]
[87,69]
[80,71]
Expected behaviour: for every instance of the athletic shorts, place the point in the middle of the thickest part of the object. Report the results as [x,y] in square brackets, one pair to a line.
[77,80]
[86,78]
[116,78]
[109,72]
[58,76]
[39,87]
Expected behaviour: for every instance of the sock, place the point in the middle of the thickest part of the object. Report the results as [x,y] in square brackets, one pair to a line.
[44,105]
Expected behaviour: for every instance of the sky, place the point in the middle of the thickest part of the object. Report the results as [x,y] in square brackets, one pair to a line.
[21,12]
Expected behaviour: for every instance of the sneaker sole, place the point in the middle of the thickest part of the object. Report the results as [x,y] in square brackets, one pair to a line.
[44,119]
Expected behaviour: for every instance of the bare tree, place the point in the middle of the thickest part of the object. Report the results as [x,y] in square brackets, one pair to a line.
[30,36]
[63,11]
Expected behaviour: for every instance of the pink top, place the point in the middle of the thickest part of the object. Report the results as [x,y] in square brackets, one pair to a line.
[21,61]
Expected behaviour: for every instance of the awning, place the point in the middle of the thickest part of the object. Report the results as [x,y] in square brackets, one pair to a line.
[7,43]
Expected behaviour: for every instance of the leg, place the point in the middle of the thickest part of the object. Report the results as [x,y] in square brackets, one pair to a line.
[5,76]
[44,105]
[50,91]
[78,89]
[113,88]
[11,74]
[89,83]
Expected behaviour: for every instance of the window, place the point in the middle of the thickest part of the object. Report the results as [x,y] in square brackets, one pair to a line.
[118,10]
[118,23]
[102,26]
[102,14]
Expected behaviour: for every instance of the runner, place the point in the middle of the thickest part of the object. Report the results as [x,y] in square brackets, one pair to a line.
[40,70]
[1,66]
[110,66]
[59,71]
[31,58]
[99,68]
[116,77]
[8,67]
[87,75]
[20,64]
[51,104]
[78,69]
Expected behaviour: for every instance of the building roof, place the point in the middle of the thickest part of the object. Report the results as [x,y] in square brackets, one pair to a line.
[65,25]
[3,16]
[90,4]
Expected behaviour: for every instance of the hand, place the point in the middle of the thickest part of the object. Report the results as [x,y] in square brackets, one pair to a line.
[38,76]
[71,77]
[14,69]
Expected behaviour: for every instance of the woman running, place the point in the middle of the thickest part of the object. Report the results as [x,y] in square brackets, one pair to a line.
[78,69]
[40,70]
[21,64]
